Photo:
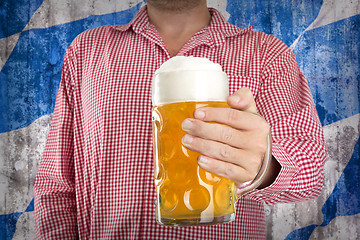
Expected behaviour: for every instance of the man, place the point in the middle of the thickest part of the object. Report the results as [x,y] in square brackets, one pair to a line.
[95,180]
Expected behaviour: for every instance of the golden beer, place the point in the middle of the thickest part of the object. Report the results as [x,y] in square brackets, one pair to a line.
[187,194]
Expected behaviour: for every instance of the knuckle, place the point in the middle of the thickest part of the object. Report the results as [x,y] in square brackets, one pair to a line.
[265,126]
[232,116]
[224,152]
[226,135]
[262,146]
[263,132]
[229,170]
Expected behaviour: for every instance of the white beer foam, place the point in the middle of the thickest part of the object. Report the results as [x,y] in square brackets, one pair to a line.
[189,79]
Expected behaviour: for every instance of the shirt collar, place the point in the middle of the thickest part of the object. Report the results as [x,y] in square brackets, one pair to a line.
[218,30]
[139,22]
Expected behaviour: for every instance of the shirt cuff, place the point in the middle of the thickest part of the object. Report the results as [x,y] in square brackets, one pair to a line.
[275,192]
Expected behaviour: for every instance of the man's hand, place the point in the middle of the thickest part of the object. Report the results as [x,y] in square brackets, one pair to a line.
[235,147]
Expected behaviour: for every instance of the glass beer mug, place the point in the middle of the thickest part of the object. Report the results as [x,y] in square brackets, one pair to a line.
[187,194]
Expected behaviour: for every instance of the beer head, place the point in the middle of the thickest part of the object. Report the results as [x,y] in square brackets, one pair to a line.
[189,79]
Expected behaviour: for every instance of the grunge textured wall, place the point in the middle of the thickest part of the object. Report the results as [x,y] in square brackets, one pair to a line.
[324,34]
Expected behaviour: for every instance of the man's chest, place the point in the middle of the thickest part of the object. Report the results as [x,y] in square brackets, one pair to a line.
[117,84]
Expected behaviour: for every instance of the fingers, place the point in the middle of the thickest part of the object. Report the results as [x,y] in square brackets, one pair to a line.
[212,149]
[231,136]
[230,151]
[242,115]
[232,117]
[231,141]
[223,159]
[235,173]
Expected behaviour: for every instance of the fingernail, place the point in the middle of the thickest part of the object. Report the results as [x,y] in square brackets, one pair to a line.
[199,114]
[202,159]
[187,140]
[236,98]
[187,124]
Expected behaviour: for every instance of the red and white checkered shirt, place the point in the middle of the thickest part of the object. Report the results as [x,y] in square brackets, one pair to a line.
[95,180]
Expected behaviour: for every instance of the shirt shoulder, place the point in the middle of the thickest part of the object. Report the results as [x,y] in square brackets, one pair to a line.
[230,31]
[264,40]
[93,37]
[104,34]
[264,45]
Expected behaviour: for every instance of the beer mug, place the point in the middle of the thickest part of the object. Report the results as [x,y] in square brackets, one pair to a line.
[187,194]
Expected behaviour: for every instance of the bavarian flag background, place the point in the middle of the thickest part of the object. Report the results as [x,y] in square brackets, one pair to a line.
[324,34]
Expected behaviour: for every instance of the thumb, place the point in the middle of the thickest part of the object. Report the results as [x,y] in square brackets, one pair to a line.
[243,100]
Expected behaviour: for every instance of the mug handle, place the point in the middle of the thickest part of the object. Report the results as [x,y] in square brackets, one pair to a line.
[263,169]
